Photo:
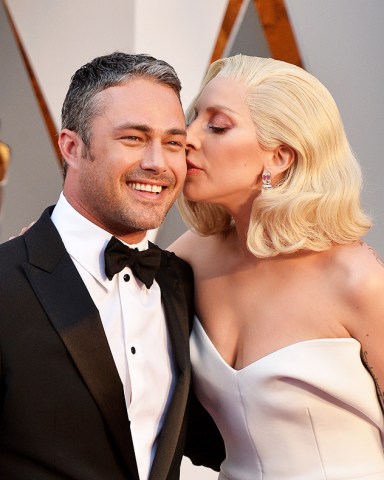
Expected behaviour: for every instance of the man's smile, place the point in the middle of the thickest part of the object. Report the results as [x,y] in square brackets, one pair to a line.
[145,187]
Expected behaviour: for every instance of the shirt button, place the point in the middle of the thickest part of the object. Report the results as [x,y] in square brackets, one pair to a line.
[133,350]
[126,277]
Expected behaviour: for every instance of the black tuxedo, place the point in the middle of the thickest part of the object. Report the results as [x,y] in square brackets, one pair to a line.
[62,407]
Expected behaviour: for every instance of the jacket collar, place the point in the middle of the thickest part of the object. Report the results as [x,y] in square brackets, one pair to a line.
[177,316]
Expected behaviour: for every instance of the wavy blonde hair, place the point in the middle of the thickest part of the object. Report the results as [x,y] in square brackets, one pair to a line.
[318,203]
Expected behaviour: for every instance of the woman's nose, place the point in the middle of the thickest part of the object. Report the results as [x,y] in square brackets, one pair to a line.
[193,139]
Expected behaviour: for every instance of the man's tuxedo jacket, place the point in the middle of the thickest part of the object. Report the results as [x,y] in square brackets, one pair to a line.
[62,408]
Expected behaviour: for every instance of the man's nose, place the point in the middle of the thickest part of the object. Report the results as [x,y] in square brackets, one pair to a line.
[154,158]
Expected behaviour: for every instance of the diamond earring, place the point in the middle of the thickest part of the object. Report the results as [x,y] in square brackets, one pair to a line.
[266,179]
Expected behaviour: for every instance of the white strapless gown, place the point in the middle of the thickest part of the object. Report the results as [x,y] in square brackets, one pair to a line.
[308,411]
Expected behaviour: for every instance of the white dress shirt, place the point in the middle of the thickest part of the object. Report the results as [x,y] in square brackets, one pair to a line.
[134,324]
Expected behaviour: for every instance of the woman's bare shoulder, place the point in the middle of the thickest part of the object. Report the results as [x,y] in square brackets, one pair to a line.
[185,245]
[359,270]
[192,247]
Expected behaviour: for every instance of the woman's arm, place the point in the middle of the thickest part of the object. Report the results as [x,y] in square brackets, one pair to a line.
[366,323]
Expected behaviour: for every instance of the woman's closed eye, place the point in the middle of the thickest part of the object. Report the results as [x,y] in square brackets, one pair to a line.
[219,123]
[217,128]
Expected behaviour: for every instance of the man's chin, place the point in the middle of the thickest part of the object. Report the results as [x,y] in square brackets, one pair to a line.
[139,226]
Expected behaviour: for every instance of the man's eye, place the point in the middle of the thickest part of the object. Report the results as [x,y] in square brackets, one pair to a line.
[175,145]
[131,137]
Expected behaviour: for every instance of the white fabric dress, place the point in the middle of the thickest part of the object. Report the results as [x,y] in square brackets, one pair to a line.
[308,411]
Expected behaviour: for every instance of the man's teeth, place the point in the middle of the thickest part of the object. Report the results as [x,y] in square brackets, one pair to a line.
[145,187]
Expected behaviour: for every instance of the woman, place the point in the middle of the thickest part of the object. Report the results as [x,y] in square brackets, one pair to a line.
[287,348]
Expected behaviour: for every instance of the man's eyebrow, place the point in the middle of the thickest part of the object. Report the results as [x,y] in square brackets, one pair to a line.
[132,126]
[176,131]
[146,129]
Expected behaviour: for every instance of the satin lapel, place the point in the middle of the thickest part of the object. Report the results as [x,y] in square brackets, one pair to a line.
[177,318]
[64,297]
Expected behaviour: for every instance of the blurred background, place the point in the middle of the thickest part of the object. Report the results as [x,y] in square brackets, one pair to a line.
[43,42]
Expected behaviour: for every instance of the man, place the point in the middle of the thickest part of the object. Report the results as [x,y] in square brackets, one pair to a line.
[94,357]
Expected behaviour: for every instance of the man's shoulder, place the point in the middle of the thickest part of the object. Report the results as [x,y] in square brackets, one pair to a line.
[12,248]
[15,251]
[13,254]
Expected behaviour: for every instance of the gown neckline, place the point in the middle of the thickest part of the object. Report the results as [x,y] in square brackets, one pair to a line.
[268,355]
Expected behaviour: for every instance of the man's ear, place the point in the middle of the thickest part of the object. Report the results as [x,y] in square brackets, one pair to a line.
[70,146]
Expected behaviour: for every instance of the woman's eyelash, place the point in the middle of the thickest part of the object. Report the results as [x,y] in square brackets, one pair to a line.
[217,129]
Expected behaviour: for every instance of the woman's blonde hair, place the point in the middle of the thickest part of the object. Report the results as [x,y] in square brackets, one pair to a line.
[318,203]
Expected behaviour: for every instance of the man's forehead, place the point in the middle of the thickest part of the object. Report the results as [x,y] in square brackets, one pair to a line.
[141,102]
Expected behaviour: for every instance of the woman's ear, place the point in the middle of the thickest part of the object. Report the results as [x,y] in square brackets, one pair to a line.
[283,158]
[70,146]
[277,166]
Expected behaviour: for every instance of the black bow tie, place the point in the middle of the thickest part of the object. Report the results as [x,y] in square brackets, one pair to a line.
[144,264]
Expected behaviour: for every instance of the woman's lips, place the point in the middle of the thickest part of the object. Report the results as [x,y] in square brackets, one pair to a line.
[192,168]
